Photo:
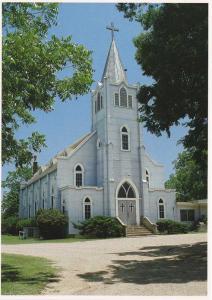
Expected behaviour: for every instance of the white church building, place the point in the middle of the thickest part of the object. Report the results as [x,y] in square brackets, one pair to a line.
[108,171]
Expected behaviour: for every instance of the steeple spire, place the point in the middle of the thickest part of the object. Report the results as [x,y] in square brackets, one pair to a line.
[113,69]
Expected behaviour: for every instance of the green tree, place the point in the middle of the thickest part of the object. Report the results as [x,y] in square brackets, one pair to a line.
[187,179]
[173,50]
[31,62]
[10,201]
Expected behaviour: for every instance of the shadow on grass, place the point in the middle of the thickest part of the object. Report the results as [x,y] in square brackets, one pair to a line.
[162,264]
[13,274]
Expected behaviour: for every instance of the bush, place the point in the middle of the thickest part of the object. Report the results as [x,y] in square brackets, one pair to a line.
[52,223]
[9,225]
[12,225]
[171,227]
[101,227]
[25,223]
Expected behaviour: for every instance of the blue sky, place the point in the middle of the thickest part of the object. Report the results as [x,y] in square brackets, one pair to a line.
[86,23]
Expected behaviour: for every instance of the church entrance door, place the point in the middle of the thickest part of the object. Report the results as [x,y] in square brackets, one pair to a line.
[127,211]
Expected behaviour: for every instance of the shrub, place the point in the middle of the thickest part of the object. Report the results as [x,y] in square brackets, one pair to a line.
[171,226]
[9,225]
[25,223]
[52,223]
[101,227]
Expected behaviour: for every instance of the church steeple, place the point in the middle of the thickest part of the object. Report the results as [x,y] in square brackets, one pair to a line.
[113,69]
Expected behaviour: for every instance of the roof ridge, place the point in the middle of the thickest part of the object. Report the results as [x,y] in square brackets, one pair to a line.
[53,161]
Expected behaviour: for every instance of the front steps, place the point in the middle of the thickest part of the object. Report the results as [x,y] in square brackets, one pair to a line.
[135,230]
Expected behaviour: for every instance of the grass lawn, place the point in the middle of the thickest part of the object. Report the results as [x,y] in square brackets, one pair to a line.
[25,275]
[11,239]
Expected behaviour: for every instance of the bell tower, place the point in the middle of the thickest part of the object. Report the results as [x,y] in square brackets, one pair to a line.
[115,119]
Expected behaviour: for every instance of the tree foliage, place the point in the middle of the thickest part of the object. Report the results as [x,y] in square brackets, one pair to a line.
[188,179]
[10,201]
[31,62]
[173,50]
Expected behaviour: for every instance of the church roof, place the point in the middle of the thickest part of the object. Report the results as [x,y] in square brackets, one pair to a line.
[52,164]
[114,69]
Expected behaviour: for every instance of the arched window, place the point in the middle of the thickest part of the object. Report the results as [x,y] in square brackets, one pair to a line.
[161,210]
[116,99]
[98,144]
[101,102]
[79,175]
[129,101]
[126,191]
[63,206]
[35,208]
[124,139]
[147,177]
[98,102]
[29,211]
[95,107]
[87,208]
[43,199]
[52,197]
[123,97]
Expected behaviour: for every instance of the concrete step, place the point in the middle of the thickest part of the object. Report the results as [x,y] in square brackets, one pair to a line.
[137,231]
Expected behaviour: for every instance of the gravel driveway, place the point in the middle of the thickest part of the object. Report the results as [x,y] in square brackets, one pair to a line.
[152,265]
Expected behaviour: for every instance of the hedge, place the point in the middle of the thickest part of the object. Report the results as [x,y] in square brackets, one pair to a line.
[12,225]
[171,227]
[101,227]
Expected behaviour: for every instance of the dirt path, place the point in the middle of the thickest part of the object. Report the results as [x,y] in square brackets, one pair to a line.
[153,265]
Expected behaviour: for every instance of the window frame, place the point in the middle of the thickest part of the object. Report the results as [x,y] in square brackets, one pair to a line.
[186,210]
[164,211]
[52,197]
[116,99]
[129,99]
[147,177]
[122,133]
[120,98]
[87,204]
[78,172]
[126,191]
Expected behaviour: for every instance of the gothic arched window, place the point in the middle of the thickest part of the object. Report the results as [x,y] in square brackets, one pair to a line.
[79,175]
[98,102]
[116,99]
[35,208]
[129,101]
[63,206]
[98,144]
[147,177]
[124,139]
[52,197]
[126,191]
[123,97]
[87,208]
[101,102]
[43,198]
[161,210]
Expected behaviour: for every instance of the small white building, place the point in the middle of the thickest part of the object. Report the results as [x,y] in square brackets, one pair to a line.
[107,172]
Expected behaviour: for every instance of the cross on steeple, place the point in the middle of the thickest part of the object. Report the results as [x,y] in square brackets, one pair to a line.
[112,28]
